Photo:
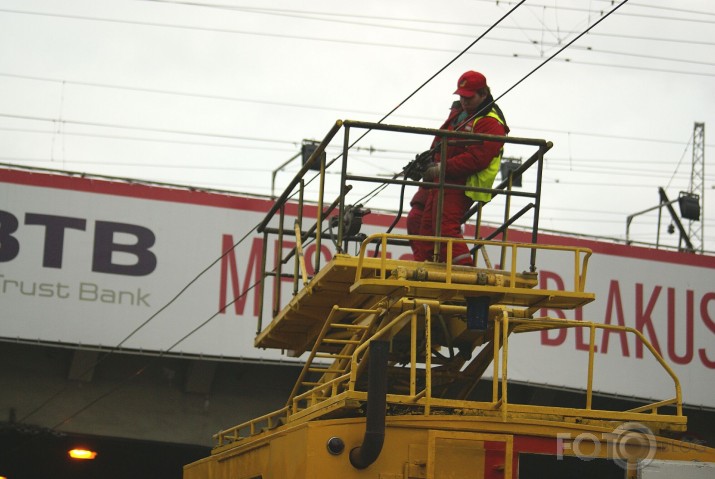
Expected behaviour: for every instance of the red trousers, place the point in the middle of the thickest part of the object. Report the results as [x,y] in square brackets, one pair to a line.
[454,207]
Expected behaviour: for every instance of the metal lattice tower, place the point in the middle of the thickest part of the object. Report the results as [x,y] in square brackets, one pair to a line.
[697,185]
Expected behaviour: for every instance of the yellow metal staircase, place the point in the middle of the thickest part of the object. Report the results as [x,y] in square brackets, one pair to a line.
[343,330]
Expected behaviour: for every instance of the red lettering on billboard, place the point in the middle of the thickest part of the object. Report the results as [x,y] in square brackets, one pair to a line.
[581,343]
[544,278]
[689,327]
[229,267]
[710,324]
[279,273]
[614,307]
[310,257]
[644,320]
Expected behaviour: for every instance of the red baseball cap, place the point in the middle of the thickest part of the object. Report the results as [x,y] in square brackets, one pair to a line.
[469,83]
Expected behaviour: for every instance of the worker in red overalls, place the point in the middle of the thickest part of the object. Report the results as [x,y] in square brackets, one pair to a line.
[474,165]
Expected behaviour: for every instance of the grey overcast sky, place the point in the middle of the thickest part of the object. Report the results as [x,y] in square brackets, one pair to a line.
[220,93]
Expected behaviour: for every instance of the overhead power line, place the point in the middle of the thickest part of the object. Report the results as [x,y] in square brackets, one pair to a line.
[107,125]
[163,91]
[625,14]
[389,45]
[508,3]
[662,7]
[144,128]
[171,301]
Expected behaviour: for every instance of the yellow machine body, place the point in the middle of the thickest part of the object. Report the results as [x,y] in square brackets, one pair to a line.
[432,332]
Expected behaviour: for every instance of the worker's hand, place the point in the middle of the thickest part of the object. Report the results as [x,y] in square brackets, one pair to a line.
[431,173]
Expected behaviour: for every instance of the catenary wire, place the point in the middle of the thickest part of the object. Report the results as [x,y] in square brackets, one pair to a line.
[143,324]
[181,292]
[202,273]
[334,40]
[141,370]
[292,105]
[371,195]
[310,15]
[625,14]
[276,11]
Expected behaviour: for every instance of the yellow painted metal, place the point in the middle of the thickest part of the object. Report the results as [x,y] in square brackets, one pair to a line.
[278,273]
[339,389]
[299,254]
[552,323]
[434,427]
[580,255]
[413,354]
[428,361]
[340,360]
[415,447]
[498,325]
[469,437]
[589,379]
[319,219]
[505,355]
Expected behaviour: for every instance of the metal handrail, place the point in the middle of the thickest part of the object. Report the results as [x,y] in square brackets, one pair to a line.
[503,327]
[316,159]
[553,323]
[234,433]
[581,255]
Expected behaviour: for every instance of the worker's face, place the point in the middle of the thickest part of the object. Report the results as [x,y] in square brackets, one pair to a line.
[470,104]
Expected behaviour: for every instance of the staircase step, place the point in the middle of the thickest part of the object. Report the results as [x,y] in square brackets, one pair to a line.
[333,356]
[340,341]
[326,370]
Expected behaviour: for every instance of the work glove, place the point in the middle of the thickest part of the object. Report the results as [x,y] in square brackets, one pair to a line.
[431,173]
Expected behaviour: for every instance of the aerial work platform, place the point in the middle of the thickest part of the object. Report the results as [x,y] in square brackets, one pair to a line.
[362,282]
[444,328]
[405,364]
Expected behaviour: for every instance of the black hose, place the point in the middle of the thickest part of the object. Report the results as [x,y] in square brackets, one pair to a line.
[368,452]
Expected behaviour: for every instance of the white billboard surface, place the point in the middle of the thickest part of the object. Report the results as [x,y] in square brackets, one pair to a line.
[109,264]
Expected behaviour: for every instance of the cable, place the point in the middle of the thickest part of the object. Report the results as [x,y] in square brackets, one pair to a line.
[671,9]
[377,190]
[679,161]
[154,24]
[369,196]
[51,398]
[624,67]
[623,2]
[448,64]
[281,11]
[252,230]
[284,12]
[494,101]
[176,92]
[308,15]
[128,127]
[147,321]
[294,105]
[577,9]
[161,354]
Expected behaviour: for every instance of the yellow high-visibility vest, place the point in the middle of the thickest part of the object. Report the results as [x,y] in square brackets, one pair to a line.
[485,178]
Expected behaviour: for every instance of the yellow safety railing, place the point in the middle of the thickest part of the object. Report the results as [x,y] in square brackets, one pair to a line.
[580,255]
[503,326]
[554,323]
[390,329]
[249,428]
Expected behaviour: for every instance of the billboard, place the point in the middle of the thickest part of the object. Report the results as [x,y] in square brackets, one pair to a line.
[114,264]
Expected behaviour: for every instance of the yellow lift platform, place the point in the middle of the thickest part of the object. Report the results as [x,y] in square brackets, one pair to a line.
[394,350]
